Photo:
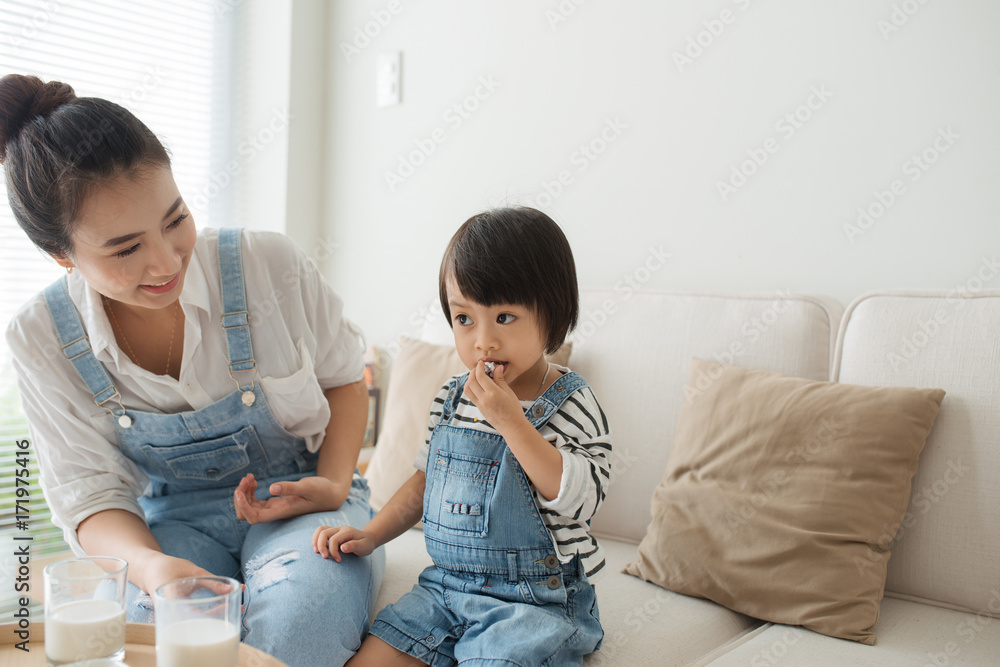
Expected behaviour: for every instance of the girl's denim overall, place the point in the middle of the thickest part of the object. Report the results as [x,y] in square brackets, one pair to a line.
[301,608]
[497,591]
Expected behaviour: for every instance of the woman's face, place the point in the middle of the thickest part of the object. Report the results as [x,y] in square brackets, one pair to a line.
[133,240]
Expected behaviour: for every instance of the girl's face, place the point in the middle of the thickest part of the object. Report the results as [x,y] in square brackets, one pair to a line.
[133,240]
[510,335]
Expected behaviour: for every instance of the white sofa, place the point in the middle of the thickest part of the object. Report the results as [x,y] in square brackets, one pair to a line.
[942,597]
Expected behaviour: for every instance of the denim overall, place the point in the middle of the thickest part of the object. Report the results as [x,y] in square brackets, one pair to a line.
[195,459]
[497,588]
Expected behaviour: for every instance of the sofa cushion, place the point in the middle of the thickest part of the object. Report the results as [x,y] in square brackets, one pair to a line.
[777,493]
[909,634]
[643,624]
[648,625]
[405,558]
[946,550]
[625,336]
[418,372]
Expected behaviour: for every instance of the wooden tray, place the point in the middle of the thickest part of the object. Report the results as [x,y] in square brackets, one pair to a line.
[140,648]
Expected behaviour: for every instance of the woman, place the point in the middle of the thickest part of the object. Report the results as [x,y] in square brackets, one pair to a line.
[195,399]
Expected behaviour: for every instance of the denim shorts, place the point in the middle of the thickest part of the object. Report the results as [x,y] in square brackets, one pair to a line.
[483,619]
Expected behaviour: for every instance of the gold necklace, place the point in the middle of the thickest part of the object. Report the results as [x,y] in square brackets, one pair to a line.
[128,347]
[544,378]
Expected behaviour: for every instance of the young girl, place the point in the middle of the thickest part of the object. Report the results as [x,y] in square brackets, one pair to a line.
[516,462]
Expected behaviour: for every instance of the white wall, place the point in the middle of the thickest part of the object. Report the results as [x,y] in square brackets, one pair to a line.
[275,156]
[885,95]
[256,166]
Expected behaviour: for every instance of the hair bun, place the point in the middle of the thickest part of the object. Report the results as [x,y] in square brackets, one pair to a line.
[24,97]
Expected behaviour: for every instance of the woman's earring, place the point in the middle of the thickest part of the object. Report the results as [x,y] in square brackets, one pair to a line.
[69,269]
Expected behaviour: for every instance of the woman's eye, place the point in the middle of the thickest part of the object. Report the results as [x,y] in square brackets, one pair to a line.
[175,223]
[462,319]
[505,318]
[127,251]
[178,221]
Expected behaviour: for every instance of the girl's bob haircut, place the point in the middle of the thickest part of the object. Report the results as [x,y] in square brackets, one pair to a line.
[517,256]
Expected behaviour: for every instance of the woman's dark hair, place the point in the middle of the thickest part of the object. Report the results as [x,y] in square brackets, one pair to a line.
[517,256]
[56,148]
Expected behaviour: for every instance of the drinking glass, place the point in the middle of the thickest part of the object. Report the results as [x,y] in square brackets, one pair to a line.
[198,622]
[85,609]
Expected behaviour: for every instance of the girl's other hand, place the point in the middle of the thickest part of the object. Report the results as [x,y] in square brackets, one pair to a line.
[331,541]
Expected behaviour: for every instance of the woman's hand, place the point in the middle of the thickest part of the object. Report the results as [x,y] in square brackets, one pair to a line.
[331,541]
[288,499]
[121,533]
[495,399]
[159,568]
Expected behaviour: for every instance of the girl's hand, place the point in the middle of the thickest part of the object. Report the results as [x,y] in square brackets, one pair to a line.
[331,541]
[288,499]
[494,398]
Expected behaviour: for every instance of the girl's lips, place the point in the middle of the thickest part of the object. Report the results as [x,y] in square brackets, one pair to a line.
[162,289]
[491,365]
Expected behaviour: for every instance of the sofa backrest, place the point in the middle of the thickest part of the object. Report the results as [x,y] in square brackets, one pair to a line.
[948,547]
[635,347]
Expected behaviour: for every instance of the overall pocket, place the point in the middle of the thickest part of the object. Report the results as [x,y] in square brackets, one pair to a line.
[461,488]
[202,464]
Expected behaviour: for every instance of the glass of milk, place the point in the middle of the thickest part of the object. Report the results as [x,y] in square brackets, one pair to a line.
[85,609]
[198,622]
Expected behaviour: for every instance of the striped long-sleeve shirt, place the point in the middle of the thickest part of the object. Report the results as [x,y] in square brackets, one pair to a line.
[579,429]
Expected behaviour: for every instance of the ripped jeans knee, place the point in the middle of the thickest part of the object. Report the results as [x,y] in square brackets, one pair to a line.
[267,569]
[138,605]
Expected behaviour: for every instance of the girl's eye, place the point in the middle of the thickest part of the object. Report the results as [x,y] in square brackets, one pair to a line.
[505,318]
[463,319]
[127,251]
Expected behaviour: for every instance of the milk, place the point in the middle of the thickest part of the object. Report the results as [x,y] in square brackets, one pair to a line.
[200,642]
[83,630]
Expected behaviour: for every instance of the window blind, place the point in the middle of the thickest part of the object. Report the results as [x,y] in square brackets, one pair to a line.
[169,64]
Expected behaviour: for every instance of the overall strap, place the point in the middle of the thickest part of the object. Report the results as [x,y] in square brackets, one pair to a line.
[549,402]
[453,398]
[538,413]
[235,316]
[76,345]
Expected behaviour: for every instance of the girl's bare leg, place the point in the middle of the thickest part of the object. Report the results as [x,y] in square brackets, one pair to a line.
[376,653]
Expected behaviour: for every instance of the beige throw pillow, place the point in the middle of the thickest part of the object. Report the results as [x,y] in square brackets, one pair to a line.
[418,372]
[781,495]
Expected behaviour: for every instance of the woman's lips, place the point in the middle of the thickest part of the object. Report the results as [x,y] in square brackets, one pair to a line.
[164,288]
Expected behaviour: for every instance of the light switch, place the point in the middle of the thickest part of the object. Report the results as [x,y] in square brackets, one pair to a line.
[388,79]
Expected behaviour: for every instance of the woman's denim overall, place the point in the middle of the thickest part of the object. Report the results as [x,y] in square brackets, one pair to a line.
[497,591]
[301,608]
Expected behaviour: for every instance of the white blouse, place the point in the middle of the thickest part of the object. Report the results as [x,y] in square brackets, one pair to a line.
[302,344]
